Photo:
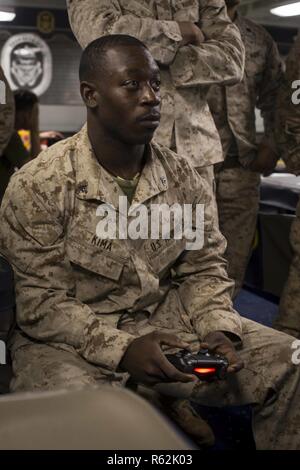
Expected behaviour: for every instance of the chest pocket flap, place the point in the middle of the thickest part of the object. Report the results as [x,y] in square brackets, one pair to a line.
[94,260]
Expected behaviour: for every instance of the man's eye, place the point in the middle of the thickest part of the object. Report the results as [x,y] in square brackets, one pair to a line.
[133,84]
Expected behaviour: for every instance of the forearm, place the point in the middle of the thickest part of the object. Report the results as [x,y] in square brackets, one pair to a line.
[50,314]
[269,88]
[201,291]
[206,293]
[91,19]
[219,59]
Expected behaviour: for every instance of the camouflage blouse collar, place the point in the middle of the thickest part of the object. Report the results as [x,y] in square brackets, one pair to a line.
[94,182]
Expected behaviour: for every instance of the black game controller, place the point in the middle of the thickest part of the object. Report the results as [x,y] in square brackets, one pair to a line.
[204,365]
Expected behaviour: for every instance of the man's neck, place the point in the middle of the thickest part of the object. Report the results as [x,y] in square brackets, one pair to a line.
[118,158]
[232,12]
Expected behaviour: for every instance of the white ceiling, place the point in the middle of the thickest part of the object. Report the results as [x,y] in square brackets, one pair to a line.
[260,11]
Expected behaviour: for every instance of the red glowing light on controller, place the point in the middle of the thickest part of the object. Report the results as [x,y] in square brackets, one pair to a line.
[205,370]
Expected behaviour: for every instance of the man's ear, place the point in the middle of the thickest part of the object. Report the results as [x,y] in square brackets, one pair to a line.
[89,94]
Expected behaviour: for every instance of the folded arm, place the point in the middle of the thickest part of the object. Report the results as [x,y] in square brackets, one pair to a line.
[219,59]
[91,19]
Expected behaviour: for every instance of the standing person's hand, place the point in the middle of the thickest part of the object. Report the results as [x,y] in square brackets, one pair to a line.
[191,34]
[146,362]
[266,159]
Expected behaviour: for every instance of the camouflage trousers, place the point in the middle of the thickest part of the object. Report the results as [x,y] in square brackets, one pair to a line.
[207,173]
[237,194]
[269,380]
[289,310]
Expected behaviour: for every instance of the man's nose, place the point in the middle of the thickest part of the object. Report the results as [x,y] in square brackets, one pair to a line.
[150,96]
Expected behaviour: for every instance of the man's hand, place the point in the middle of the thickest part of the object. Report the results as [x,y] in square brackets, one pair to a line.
[146,362]
[266,159]
[191,34]
[217,342]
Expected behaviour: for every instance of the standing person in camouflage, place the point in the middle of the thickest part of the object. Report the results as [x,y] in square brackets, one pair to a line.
[7,123]
[195,44]
[94,310]
[7,114]
[233,109]
[288,132]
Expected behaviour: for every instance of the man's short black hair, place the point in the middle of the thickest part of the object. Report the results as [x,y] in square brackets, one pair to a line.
[93,56]
[25,100]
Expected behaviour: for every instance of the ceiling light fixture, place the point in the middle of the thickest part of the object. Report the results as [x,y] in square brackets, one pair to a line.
[292,9]
[7,14]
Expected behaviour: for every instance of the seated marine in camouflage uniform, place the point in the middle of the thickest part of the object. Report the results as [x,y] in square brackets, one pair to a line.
[7,121]
[93,311]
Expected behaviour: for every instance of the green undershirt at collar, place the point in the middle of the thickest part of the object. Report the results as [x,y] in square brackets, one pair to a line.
[128,186]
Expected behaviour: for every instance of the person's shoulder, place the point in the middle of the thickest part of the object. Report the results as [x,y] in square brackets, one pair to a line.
[48,176]
[54,163]
[293,56]
[172,161]
[179,171]
[258,30]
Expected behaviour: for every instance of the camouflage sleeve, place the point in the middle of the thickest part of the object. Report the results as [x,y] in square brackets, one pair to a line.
[220,59]
[32,238]
[202,290]
[91,19]
[269,86]
[288,115]
[7,112]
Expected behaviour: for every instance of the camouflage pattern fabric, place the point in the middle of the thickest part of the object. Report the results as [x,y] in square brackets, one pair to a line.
[187,72]
[233,109]
[237,198]
[82,300]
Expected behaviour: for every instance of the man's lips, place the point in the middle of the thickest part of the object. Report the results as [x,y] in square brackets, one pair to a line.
[152,117]
[150,121]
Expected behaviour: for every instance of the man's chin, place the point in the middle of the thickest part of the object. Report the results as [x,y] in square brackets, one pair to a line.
[141,140]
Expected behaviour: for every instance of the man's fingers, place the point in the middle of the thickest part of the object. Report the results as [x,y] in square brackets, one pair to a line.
[174,375]
[236,367]
[171,340]
[204,346]
[235,363]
